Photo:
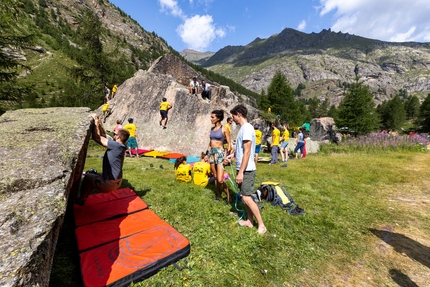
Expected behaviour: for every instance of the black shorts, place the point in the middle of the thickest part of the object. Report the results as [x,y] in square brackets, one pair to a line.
[163,114]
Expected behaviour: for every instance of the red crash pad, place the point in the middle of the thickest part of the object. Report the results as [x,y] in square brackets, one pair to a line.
[130,244]
[96,210]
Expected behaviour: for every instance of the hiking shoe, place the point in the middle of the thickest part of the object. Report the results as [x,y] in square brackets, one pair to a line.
[164,127]
[284,165]
[161,166]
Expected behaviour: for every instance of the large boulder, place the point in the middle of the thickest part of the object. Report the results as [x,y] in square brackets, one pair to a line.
[42,156]
[323,129]
[189,120]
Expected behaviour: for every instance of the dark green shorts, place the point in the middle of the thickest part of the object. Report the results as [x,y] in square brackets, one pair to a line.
[247,186]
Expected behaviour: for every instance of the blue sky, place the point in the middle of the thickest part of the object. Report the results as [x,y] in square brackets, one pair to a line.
[209,25]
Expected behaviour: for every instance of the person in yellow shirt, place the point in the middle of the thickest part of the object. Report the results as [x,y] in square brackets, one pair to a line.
[258,135]
[132,140]
[182,170]
[228,126]
[202,171]
[284,143]
[165,106]
[274,146]
[114,88]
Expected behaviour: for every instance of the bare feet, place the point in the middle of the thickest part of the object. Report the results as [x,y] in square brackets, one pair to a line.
[246,223]
[261,230]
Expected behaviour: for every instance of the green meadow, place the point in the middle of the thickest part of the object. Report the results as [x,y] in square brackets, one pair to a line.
[354,200]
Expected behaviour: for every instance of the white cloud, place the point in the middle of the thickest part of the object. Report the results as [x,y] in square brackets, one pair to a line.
[171,6]
[198,32]
[302,25]
[388,20]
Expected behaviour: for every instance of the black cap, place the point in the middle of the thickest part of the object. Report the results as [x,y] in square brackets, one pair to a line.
[130,120]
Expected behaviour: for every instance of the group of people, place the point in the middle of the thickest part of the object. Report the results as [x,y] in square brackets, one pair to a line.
[220,153]
[108,92]
[281,142]
[210,168]
[202,88]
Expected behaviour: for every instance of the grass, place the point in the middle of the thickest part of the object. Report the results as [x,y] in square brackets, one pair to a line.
[347,196]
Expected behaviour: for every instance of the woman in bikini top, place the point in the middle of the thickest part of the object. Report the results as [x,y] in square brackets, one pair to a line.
[218,134]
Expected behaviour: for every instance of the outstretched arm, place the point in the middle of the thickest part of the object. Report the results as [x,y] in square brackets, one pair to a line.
[98,132]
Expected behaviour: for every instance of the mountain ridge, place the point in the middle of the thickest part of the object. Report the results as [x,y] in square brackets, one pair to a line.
[325,62]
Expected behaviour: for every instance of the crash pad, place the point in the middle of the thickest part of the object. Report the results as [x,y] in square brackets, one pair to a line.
[190,159]
[108,205]
[156,153]
[130,244]
[173,155]
[140,151]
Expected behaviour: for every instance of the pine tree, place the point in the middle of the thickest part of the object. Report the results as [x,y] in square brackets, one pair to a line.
[282,100]
[396,114]
[425,114]
[332,112]
[412,107]
[90,76]
[356,111]
[313,107]
[10,42]
[263,102]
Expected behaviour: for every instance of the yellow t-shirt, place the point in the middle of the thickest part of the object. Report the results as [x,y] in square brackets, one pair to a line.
[105,107]
[131,128]
[258,135]
[286,135]
[114,88]
[228,127]
[275,137]
[183,173]
[164,106]
[201,171]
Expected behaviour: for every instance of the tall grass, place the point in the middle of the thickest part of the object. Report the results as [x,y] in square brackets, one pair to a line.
[344,195]
[377,142]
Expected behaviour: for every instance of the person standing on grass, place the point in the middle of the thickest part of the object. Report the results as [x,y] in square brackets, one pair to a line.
[165,106]
[274,146]
[258,135]
[300,144]
[118,126]
[284,143]
[113,160]
[216,154]
[246,168]
[132,140]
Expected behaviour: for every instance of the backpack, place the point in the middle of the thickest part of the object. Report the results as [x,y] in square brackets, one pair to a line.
[277,194]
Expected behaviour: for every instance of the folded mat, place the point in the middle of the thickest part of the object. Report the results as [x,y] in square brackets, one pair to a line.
[131,244]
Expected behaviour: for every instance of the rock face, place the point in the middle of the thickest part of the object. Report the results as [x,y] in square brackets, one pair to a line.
[324,129]
[189,121]
[42,156]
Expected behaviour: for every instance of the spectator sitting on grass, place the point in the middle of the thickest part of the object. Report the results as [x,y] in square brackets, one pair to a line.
[182,170]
